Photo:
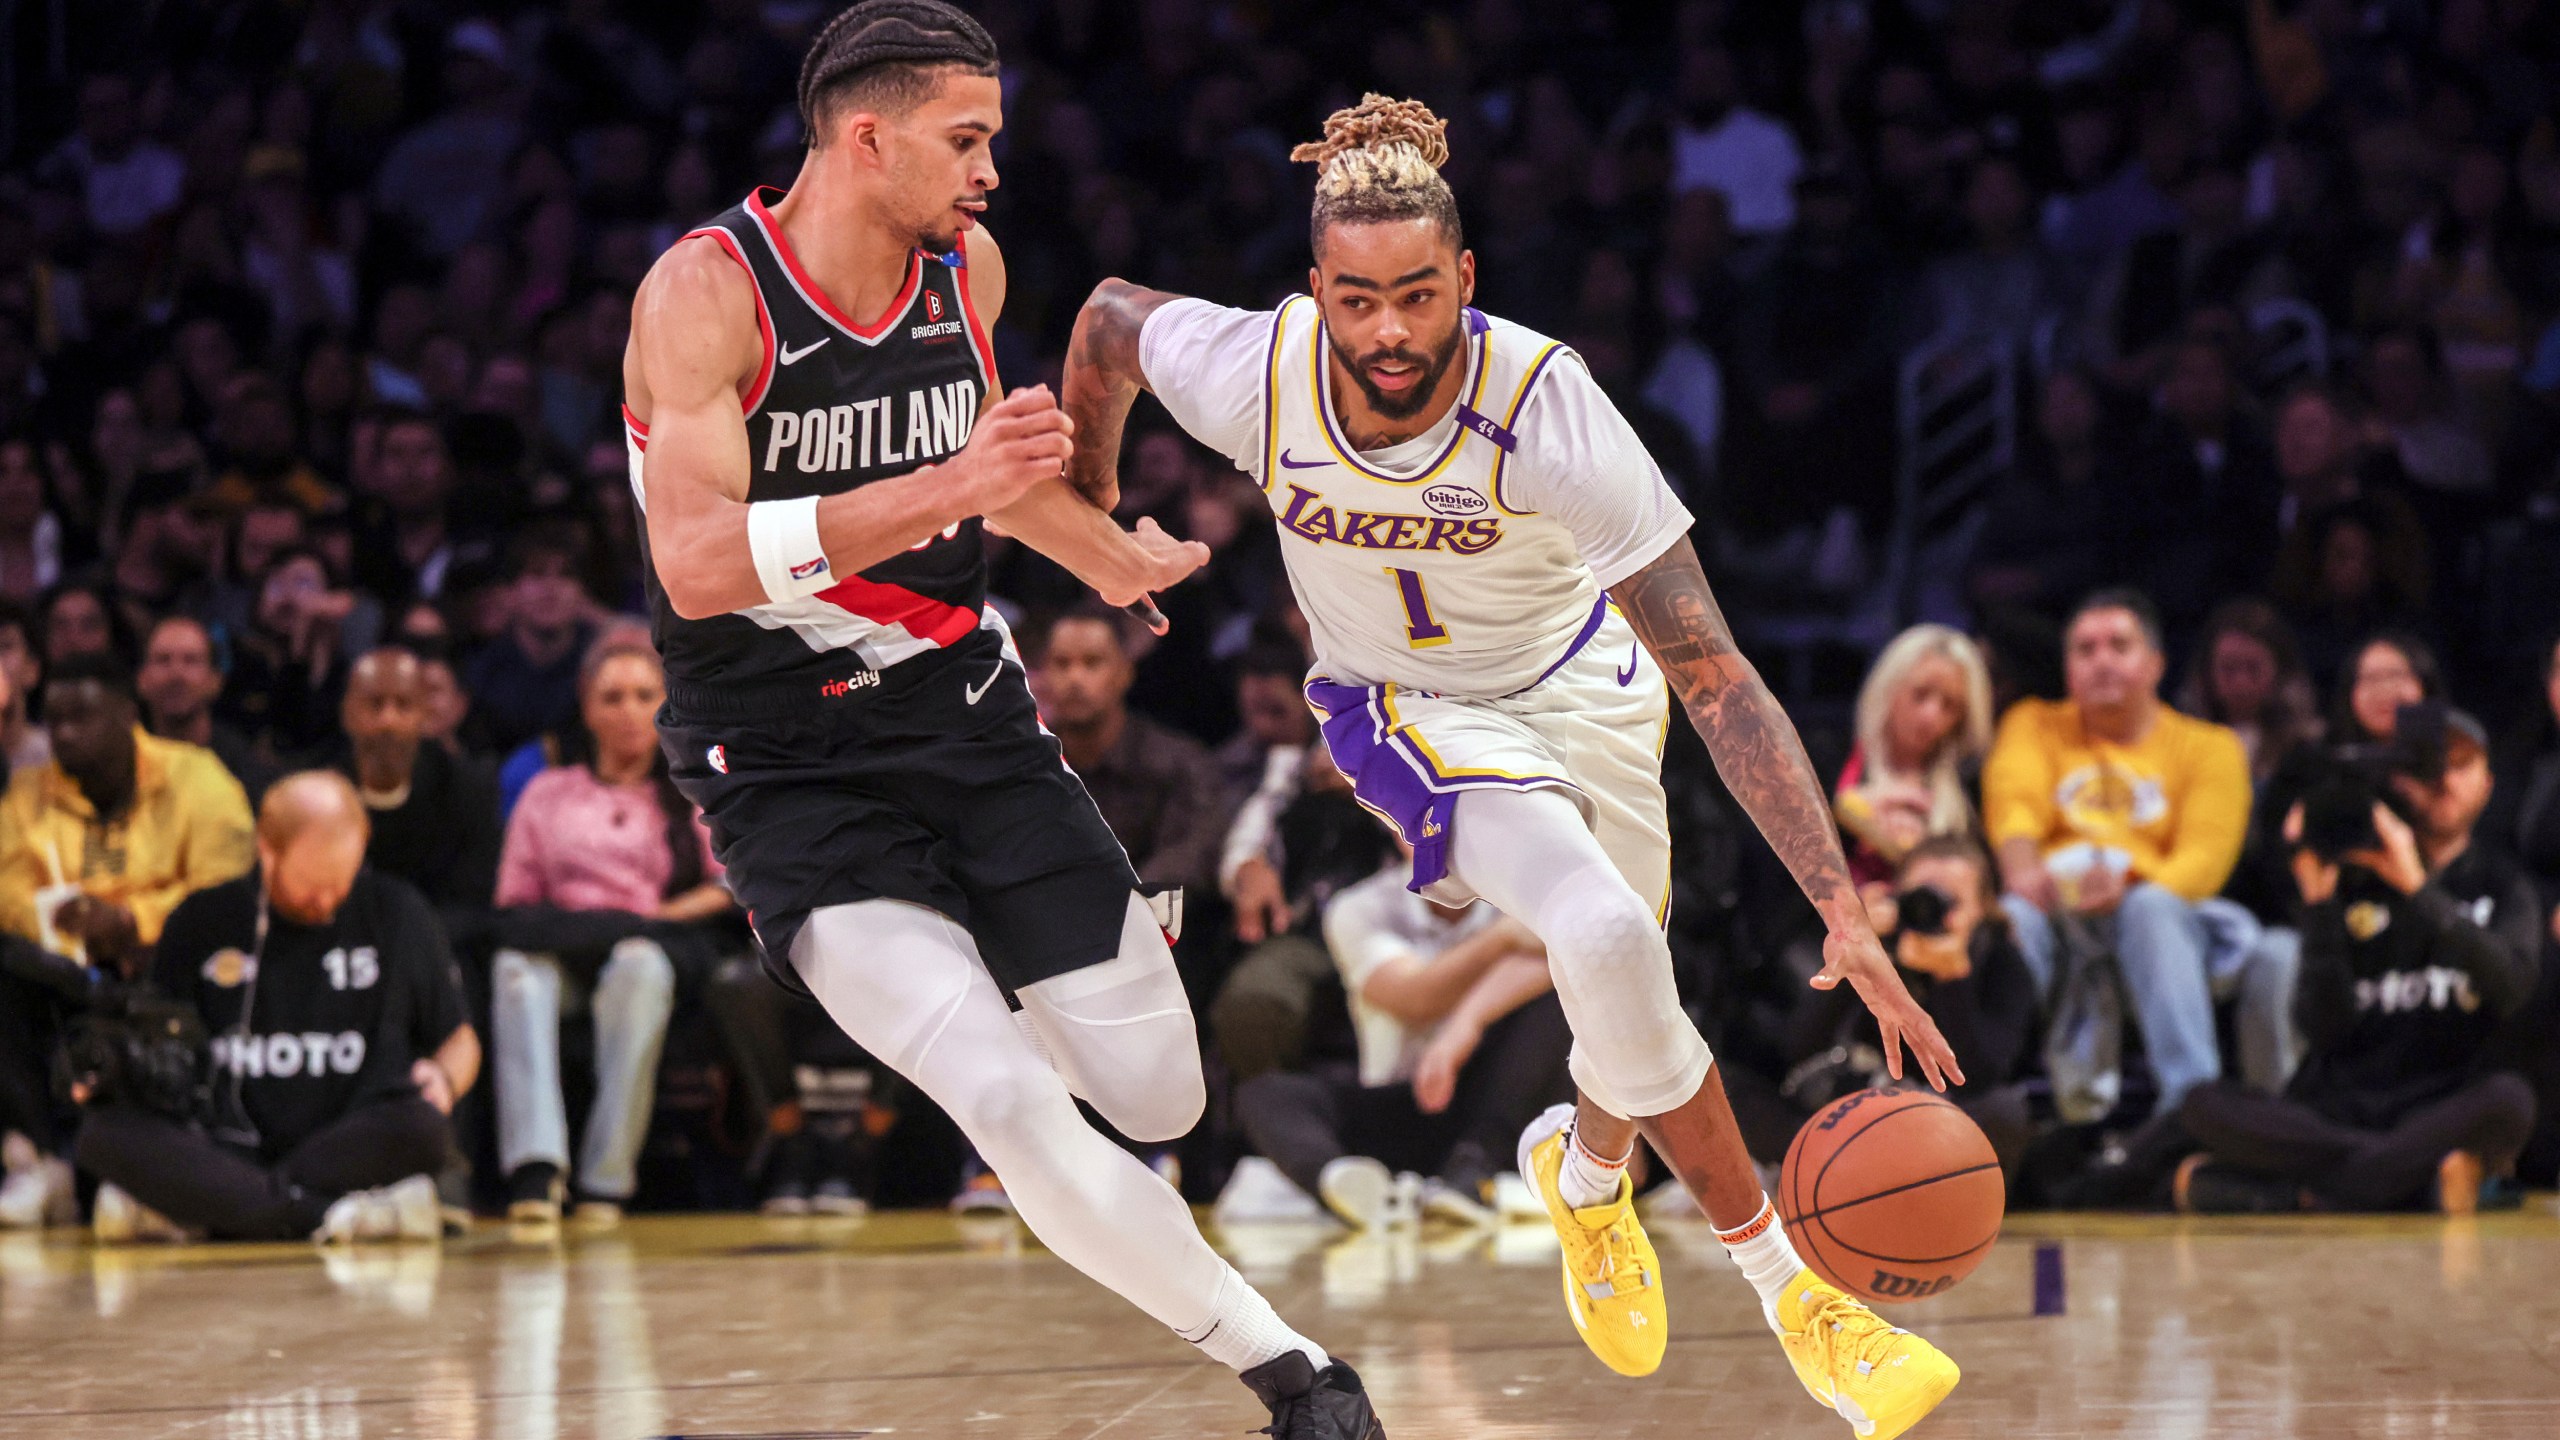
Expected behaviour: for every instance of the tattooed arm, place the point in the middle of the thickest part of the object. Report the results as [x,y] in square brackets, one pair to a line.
[1763,762]
[1102,381]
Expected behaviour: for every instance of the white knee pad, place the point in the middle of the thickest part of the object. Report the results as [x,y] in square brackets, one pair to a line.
[1122,1036]
[1636,1052]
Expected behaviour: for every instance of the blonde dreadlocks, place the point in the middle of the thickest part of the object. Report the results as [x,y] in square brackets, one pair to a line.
[1380,160]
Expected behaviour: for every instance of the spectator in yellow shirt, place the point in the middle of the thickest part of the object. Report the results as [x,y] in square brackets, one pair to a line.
[2112,807]
[100,844]
[97,846]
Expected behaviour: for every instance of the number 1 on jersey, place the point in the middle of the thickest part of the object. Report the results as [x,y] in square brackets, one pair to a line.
[1421,632]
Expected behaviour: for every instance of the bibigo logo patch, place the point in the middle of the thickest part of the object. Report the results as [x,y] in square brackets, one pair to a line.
[1453,500]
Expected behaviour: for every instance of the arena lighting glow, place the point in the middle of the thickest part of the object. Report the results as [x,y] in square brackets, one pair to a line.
[2040,451]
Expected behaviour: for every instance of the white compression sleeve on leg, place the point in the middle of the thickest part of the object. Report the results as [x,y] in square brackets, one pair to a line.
[1122,1034]
[1635,1051]
[907,985]
[782,539]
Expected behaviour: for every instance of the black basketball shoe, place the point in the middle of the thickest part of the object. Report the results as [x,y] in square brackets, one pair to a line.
[1311,1404]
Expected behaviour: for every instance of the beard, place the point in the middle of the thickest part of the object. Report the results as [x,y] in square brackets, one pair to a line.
[1408,404]
[935,231]
[938,242]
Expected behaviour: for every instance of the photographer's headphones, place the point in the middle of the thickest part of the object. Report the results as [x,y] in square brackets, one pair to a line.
[235,1127]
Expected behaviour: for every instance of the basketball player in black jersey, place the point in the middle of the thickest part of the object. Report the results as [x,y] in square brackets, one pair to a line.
[852,717]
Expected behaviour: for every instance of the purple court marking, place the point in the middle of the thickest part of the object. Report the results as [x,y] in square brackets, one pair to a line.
[2050,1296]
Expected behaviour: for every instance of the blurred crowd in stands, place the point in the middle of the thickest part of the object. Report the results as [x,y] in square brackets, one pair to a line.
[2127,432]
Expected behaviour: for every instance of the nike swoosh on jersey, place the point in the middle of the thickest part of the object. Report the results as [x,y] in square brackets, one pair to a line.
[1627,676]
[793,357]
[1288,464]
[978,692]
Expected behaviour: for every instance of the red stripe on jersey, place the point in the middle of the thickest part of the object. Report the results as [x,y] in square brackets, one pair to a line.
[882,604]
[638,426]
[977,332]
[809,287]
[764,321]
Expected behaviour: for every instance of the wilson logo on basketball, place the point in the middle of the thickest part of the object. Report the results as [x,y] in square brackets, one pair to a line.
[1892,1194]
[1904,1287]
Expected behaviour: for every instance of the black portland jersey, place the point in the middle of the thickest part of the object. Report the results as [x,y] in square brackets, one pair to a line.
[835,406]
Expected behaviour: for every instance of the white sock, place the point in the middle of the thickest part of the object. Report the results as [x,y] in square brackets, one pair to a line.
[1244,1331]
[1588,1179]
[1767,1257]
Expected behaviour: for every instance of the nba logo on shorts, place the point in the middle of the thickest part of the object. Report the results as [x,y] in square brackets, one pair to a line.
[932,307]
[719,758]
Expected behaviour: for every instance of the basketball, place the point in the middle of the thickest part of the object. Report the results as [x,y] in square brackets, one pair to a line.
[1892,1193]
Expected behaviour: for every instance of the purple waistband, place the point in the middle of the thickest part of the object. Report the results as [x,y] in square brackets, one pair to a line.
[1590,627]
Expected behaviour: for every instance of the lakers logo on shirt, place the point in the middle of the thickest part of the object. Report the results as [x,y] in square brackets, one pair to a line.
[2096,797]
[2366,920]
[1309,519]
[229,968]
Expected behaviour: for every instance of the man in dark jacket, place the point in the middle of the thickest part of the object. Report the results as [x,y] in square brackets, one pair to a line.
[2414,949]
[435,815]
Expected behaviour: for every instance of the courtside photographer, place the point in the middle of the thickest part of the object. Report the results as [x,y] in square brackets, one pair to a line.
[2416,943]
[1941,921]
[334,1020]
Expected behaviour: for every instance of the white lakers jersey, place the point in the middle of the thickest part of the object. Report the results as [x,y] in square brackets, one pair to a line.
[1468,561]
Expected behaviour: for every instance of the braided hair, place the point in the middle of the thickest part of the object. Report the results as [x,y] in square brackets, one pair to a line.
[1380,160]
[889,55]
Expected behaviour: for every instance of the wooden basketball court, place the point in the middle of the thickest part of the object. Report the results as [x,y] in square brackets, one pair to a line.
[921,1326]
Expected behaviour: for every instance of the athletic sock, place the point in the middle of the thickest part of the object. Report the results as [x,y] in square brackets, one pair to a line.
[1588,1179]
[1767,1257]
[1243,1331]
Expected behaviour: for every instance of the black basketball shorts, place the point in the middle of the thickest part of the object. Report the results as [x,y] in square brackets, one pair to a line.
[930,782]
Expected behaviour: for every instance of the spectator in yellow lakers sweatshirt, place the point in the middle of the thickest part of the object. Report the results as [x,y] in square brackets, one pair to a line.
[97,846]
[2112,807]
[101,843]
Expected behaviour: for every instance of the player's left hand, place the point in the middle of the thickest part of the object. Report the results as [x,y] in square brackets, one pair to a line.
[1853,953]
[1161,562]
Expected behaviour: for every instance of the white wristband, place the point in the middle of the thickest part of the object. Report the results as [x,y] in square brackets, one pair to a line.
[782,538]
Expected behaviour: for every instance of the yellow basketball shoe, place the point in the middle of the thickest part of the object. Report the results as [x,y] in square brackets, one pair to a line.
[1881,1379]
[1612,1278]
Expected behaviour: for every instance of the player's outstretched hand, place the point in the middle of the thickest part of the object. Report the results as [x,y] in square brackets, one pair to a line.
[1160,562]
[1020,441]
[1855,955]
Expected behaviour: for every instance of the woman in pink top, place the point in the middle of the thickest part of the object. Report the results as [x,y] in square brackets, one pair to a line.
[603,859]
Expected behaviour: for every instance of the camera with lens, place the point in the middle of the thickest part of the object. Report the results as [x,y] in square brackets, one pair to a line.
[126,1043]
[2337,810]
[1922,910]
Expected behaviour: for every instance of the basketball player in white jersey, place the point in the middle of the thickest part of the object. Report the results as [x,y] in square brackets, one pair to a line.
[1499,584]
[850,714]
